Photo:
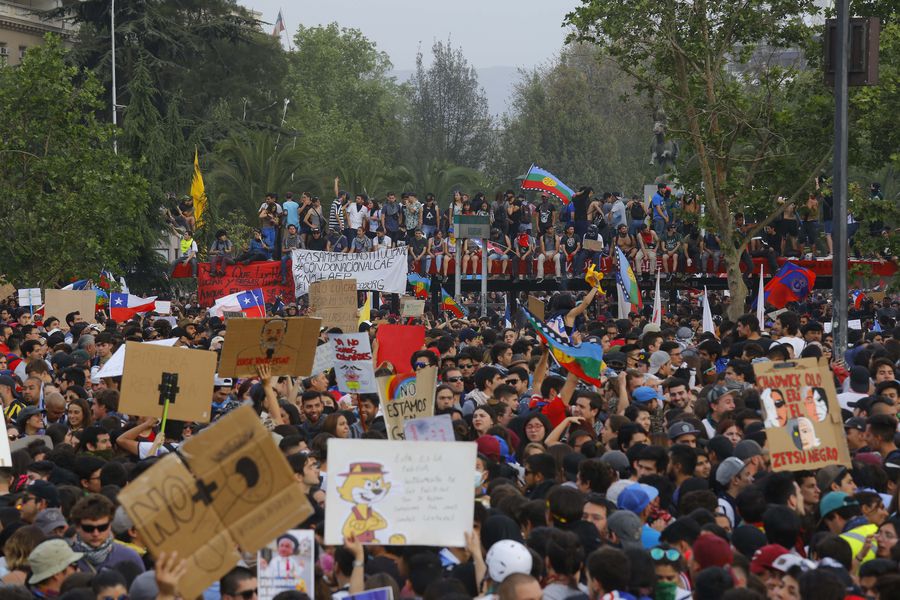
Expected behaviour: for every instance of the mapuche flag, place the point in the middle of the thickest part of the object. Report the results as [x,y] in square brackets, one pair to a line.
[585,360]
[544,181]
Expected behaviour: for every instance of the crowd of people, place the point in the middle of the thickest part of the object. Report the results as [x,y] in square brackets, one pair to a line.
[527,240]
[656,484]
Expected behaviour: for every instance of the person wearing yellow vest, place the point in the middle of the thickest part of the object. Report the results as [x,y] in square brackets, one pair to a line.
[842,514]
[187,253]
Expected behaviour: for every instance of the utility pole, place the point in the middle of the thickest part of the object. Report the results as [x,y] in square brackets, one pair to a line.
[112,35]
[839,180]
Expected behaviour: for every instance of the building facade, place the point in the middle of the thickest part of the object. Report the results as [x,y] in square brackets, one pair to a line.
[22,27]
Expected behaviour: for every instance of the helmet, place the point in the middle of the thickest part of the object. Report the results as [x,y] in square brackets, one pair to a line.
[507,557]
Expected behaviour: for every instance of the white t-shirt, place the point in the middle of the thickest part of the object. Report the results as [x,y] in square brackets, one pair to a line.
[798,343]
[357,215]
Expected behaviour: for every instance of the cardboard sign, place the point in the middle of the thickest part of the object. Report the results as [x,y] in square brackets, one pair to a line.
[116,363]
[31,297]
[411,307]
[592,245]
[536,307]
[438,428]
[335,303]
[153,373]
[59,303]
[384,270]
[287,563]
[801,414]
[406,396]
[7,290]
[228,488]
[424,492]
[353,367]
[287,345]
[396,344]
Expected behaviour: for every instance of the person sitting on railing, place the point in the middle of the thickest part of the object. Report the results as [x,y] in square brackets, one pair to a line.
[437,248]
[522,251]
[257,251]
[498,247]
[418,246]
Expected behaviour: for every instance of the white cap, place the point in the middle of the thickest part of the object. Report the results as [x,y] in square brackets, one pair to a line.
[507,557]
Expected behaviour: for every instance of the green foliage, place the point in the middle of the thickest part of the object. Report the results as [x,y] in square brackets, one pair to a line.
[589,137]
[440,178]
[448,119]
[71,206]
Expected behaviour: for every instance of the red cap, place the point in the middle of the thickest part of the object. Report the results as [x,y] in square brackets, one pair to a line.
[765,556]
[712,551]
[489,446]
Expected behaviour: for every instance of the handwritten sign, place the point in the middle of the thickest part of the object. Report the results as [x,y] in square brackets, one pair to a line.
[411,307]
[287,345]
[593,245]
[353,367]
[31,297]
[288,563]
[264,275]
[334,302]
[401,493]
[324,358]
[405,397]
[154,373]
[801,415]
[384,270]
[438,428]
[234,491]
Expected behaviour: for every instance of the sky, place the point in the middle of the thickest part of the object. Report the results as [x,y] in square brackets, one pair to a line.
[491,33]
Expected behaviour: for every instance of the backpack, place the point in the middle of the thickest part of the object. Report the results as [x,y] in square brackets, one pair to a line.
[525,213]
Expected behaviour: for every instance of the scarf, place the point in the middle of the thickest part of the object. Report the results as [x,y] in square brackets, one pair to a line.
[94,556]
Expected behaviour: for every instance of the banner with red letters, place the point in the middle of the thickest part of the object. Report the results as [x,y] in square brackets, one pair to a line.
[238,278]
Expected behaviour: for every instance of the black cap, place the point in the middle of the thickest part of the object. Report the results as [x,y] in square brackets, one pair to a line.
[857,423]
[44,490]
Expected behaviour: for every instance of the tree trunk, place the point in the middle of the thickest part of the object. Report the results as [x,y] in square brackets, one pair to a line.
[736,284]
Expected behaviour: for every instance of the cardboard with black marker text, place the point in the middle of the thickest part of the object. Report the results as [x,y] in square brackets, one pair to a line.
[287,345]
[334,301]
[227,489]
[801,414]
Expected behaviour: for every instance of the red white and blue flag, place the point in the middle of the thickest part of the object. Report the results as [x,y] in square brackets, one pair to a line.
[279,25]
[857,296]
[790,284]
[124,306]
[252,303]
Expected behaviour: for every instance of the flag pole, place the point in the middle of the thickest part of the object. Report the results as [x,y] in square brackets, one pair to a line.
[761,299]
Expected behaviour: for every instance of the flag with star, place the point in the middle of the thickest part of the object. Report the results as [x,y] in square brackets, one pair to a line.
[252,303]
[125,306]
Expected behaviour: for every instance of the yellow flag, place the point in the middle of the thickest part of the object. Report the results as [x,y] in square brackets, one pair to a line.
[198,192]
[365,313]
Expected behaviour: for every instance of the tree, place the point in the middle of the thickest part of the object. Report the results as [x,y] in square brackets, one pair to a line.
[440,178]
[449,119]
[71,206]
[714,66]
[586,137]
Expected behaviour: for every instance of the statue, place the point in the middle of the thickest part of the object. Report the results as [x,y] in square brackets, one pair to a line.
[663,152]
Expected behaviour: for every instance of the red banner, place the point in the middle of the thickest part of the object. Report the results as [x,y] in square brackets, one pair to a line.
[238,278]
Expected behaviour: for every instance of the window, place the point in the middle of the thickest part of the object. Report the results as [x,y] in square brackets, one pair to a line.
[22,50]
[4,54]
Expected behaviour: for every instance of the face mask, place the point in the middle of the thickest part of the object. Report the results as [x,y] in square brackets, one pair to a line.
[478,479]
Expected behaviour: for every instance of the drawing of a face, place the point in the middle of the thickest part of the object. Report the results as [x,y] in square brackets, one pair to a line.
[775,408]
[273,333]
[365,484]
[816,403]
[803,433]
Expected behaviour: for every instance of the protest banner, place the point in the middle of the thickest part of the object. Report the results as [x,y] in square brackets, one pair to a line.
[406,396]
[31,297]
[287,345]
[536,307]
[400,493]
[152,374]
[59,303]
[265,275]
[438,428]
[287,563]
[334,301]
[5,452]
[593,245]
[380,271]
[163,307]
[116,363]
[353,367]
[235,492]
[411,307]
[324,358]
[396,344]
[801,415]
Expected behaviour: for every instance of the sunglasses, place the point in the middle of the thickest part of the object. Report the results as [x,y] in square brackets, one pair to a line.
[93,528]
[421,365]
[454,379]
[247,594]
[671,555]
[512,382]
[469,366]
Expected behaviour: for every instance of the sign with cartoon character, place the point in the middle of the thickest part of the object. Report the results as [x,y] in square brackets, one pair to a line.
[353,367]
[287,345]
[402,493]
[288,563]
[228,489]
[801,415]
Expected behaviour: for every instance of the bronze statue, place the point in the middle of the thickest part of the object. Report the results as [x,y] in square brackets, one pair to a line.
[663,152]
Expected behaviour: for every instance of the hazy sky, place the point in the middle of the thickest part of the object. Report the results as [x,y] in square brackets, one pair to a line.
[514,33]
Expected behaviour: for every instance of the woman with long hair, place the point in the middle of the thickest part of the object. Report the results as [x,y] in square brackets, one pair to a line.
[78,415]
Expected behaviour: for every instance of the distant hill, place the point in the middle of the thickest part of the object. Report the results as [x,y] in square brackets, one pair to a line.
[497,83]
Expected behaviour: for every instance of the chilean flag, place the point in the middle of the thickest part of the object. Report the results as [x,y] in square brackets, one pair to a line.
[252,303]
[124,306]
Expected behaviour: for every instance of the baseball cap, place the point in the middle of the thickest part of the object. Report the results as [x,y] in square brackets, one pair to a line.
[627,527]
[81,357]
[684,334]
[657,360]
[49,558]
[828,475]
[50,519]
[650,328]
[728,469]
[681,428]
[636,497]
[222,381]
[833,501]
[712,551]
[786,562]
[857,423]
[8,381]
[507,557]
[765,556]
[747,449]
[121,522]
[644,394]
[616,459]
[44,490]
